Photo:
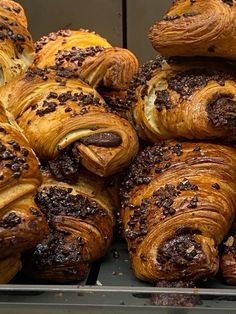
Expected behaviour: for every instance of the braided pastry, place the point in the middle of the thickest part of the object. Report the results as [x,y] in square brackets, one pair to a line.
[197,28]
[178,205]
[67,121]
[191,98]
[16,45]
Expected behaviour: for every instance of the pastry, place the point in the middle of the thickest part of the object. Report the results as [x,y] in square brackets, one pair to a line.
[81,220]
[179,203]
[16,45]
[197,28]
[184,98]
[67,122]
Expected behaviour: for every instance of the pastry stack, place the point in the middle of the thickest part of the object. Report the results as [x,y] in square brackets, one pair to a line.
[63,211]
[179,196]
[72,109]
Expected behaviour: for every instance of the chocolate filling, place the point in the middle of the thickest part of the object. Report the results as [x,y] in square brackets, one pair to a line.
[104,139]
[180,250]
[221,110]
[55,201]
[186,83]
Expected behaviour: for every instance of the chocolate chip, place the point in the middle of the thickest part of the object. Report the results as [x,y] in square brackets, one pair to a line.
[216,186]
[24,152]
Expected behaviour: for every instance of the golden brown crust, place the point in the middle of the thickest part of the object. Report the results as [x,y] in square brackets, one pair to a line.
[22,225]
[178,205]
[90,55]
[196,28]
[228,258]
[55,109]
[16,45]
[81,220]
[176,98]
[9,267]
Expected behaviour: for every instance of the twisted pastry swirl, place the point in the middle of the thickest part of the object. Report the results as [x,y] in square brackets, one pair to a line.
[56,109]
[178,98]
[197,28]
[178,205]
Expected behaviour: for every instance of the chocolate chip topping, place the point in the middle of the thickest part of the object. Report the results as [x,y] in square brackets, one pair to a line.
[229,2]
[55,250]
[10,221]
[7,32]
[179,250]
[141,78]
[216,186]
[163,100]
[51,37]
[13,157]
[171,17]
[137,224]
[54,201]
[103,139]
[186,83]
[221,110]
[164,198]
[65,167]
[76,55]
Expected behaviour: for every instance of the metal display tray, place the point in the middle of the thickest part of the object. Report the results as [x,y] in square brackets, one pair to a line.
[111,286]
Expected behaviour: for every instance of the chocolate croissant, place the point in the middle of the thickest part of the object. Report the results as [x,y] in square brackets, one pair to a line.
[190,98]
[16,45]
[67,122]
[22,225]
[80,219]
[179,203]
[90,55]
[228,259]
[197,28]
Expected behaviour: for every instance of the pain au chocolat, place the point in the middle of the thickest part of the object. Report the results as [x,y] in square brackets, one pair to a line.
[16,45]
[67,121]
[192,98]
[179,203]
[197,28]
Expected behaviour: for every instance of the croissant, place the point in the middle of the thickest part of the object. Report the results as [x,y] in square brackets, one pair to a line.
[90,55]
[179,203]
[22,225]
[81,220]
[9,267]
[16,45]
[228,259]
[67,122]
[191,98]
[197,28]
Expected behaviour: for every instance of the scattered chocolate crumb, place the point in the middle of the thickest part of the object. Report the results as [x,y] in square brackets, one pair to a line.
[216,186]
[10,221]
[163,100]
